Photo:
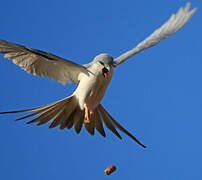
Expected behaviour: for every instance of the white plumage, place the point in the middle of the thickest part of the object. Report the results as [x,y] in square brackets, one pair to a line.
[83,106]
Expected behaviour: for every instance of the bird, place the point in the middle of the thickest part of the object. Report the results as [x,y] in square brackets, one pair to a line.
[83,107]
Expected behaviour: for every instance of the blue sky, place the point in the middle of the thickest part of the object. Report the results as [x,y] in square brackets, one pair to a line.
[156,95]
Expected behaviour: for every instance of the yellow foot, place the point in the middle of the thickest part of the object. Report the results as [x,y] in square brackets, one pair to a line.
[88,114]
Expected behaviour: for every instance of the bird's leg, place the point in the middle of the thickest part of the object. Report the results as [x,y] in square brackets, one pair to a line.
[88,114]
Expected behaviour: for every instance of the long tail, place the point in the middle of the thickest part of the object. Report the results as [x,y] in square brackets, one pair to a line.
[100,117]
[67,114]
[59,113]
[112,124]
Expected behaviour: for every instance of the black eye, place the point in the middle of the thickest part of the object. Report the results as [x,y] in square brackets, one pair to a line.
[101,63]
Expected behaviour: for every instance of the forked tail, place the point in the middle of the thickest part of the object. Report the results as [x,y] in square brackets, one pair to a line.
[67,114]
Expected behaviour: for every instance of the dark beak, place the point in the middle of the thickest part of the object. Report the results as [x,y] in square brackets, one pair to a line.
[105,72]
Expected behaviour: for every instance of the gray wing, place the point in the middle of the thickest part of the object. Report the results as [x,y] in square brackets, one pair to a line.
[42,63]
[174,24]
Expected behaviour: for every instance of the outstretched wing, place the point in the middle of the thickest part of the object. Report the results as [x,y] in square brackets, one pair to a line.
[42,63]
[174,24]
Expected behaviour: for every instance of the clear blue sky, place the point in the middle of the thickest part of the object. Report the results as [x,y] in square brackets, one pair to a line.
[156,95]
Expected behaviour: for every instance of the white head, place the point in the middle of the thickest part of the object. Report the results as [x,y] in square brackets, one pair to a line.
[104,58]
[106,61]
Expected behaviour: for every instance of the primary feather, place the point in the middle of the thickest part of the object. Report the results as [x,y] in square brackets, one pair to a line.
[174,24]
[42,63]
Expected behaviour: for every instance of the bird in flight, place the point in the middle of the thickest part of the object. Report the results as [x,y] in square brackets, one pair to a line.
[92,80]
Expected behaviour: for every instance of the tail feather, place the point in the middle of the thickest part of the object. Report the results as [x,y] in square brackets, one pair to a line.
[34,114]
[51,116]
[70,124]
[98,123]
[67,114]
[57,119]
[46,115]
[117,125]
[90,127]
[78,126]
[59,112]
[69,110]
[78,120]
[69,121]
[37,108]
[25,110]
[108,123]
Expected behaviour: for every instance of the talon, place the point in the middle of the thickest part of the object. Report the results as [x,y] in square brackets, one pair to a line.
[88,115]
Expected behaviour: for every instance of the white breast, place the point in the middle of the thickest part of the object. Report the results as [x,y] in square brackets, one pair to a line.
[91,89]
